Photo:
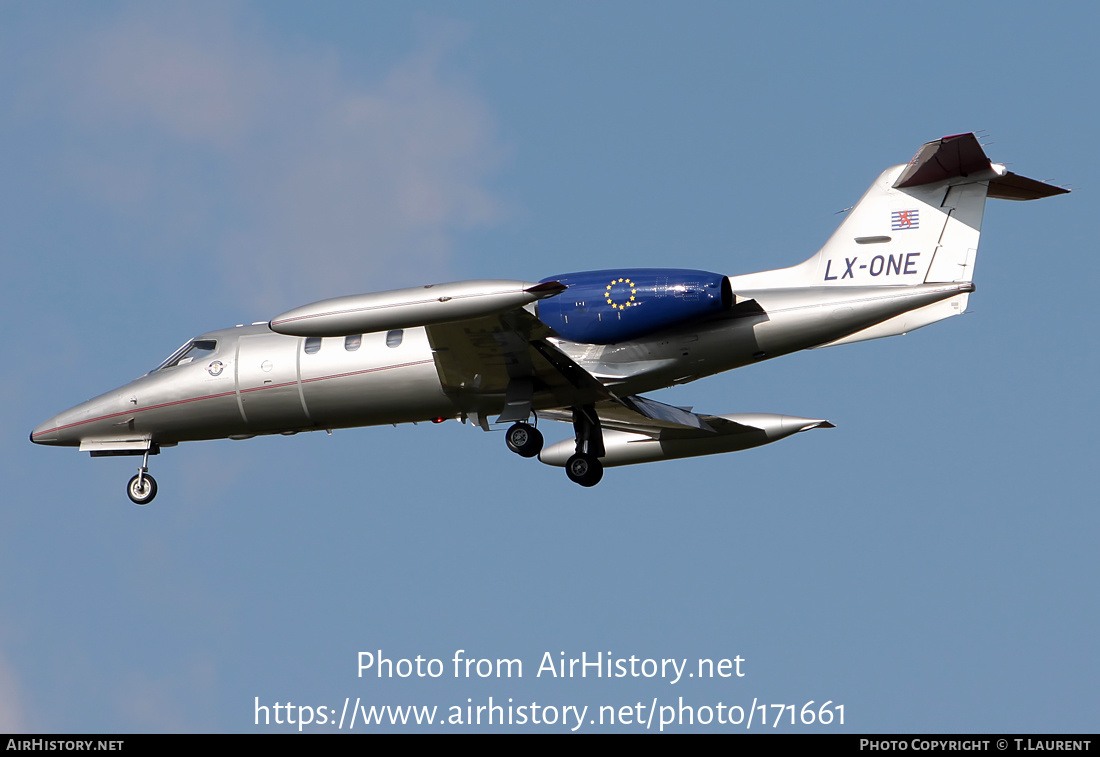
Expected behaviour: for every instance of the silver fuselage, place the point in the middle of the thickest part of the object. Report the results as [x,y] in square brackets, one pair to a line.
[260,382]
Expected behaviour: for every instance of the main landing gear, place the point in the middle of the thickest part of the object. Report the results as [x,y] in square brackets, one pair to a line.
[524,439]
[142,487]
[584,467]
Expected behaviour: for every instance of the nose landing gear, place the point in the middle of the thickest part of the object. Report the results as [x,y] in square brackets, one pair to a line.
[142,487]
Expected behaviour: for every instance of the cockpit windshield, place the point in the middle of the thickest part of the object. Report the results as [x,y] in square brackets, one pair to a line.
[196,349]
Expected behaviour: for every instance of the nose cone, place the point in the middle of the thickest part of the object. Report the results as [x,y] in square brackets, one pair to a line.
[67,429]
[49,432]
[109,416]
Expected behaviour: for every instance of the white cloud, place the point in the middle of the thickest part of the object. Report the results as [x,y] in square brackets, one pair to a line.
[12,718]
[175,702]
[195,81]
[301,181]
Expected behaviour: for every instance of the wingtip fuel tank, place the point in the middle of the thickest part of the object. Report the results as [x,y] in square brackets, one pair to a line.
[732,433]
[408,308]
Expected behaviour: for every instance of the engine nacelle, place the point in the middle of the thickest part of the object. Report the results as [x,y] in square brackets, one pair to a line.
[605,307]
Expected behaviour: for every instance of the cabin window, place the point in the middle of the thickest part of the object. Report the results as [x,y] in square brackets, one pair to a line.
[313,345]
[353,342]
[393,338]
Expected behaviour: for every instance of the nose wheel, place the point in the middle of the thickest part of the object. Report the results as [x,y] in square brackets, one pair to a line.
[142,487]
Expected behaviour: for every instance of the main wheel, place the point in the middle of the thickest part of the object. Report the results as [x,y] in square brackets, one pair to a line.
[142,489]
[523,439]
[585,470]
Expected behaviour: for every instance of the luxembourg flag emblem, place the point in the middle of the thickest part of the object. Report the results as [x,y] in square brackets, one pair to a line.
[904,219]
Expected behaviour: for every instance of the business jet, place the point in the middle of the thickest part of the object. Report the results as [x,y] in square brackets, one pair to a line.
[578,347]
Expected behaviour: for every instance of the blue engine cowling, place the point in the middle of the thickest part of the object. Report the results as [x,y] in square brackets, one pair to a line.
[605,307]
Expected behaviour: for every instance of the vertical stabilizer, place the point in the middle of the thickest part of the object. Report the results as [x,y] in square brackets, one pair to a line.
[919,223]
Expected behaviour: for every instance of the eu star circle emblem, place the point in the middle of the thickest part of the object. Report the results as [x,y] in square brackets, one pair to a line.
[620,294]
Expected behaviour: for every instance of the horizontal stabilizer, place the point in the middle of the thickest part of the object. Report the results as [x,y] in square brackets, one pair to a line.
[944,159]
[1014,187]
[961,157]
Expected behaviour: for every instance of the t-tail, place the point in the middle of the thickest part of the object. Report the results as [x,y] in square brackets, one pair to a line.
[918,224]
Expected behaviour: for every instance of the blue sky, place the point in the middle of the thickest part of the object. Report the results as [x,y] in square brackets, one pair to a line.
[170,169]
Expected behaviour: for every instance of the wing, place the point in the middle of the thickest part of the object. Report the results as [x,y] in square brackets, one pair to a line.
[506,362]
[640,415]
